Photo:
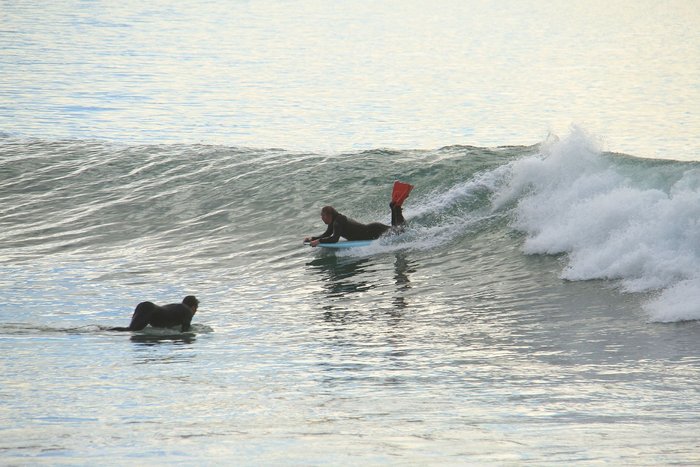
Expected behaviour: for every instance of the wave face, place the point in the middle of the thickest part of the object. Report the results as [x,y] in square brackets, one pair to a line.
[513,311]
[633,223]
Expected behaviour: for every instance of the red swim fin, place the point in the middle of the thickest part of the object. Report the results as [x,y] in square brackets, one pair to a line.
[400,192]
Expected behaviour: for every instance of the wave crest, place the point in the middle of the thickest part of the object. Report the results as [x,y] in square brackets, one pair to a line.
[613,220]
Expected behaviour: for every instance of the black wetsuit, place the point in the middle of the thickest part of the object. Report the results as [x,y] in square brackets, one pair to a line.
[350,229]
[166,316]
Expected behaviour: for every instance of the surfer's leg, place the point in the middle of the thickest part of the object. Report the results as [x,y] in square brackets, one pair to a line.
[141,316]
[375,230]
[397,219]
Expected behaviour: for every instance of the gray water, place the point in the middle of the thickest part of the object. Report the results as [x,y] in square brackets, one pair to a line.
[540,309]
[355,75]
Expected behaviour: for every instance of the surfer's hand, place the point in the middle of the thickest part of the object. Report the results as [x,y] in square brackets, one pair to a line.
[314,242]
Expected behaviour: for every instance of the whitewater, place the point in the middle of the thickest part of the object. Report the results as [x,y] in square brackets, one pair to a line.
[614,217]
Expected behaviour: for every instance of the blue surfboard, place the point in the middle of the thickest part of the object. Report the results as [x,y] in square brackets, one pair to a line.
[346,244]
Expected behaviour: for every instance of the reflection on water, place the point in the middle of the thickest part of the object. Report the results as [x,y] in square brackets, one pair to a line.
[163,346]
[154,336]
[402,267]
[341,275]
[346,281]
[151,340]
[151,350]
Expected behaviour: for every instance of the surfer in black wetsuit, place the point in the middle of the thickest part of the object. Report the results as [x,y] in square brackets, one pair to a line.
[342,226]
[166,316]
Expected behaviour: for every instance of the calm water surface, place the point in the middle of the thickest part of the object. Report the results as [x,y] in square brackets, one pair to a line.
[357,75]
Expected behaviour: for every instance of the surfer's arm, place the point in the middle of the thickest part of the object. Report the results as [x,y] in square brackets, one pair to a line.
[327,233]
[333,233]
[314,241]
[141,317]
[331,239]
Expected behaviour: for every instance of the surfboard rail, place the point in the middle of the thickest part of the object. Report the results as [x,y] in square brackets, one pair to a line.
[345,244]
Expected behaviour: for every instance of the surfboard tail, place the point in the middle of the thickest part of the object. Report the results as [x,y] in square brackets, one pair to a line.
[400,192]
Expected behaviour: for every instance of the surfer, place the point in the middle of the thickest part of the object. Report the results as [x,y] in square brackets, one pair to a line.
[166,316]
[340,225]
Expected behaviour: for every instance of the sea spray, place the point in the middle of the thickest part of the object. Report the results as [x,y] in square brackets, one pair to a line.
[611,221]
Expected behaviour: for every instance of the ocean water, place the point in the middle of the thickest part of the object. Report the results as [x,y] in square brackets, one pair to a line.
[542,308]
[339,76]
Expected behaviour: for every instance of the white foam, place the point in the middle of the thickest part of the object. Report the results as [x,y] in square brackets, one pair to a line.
[570,199]
[679,302]
[418,237]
